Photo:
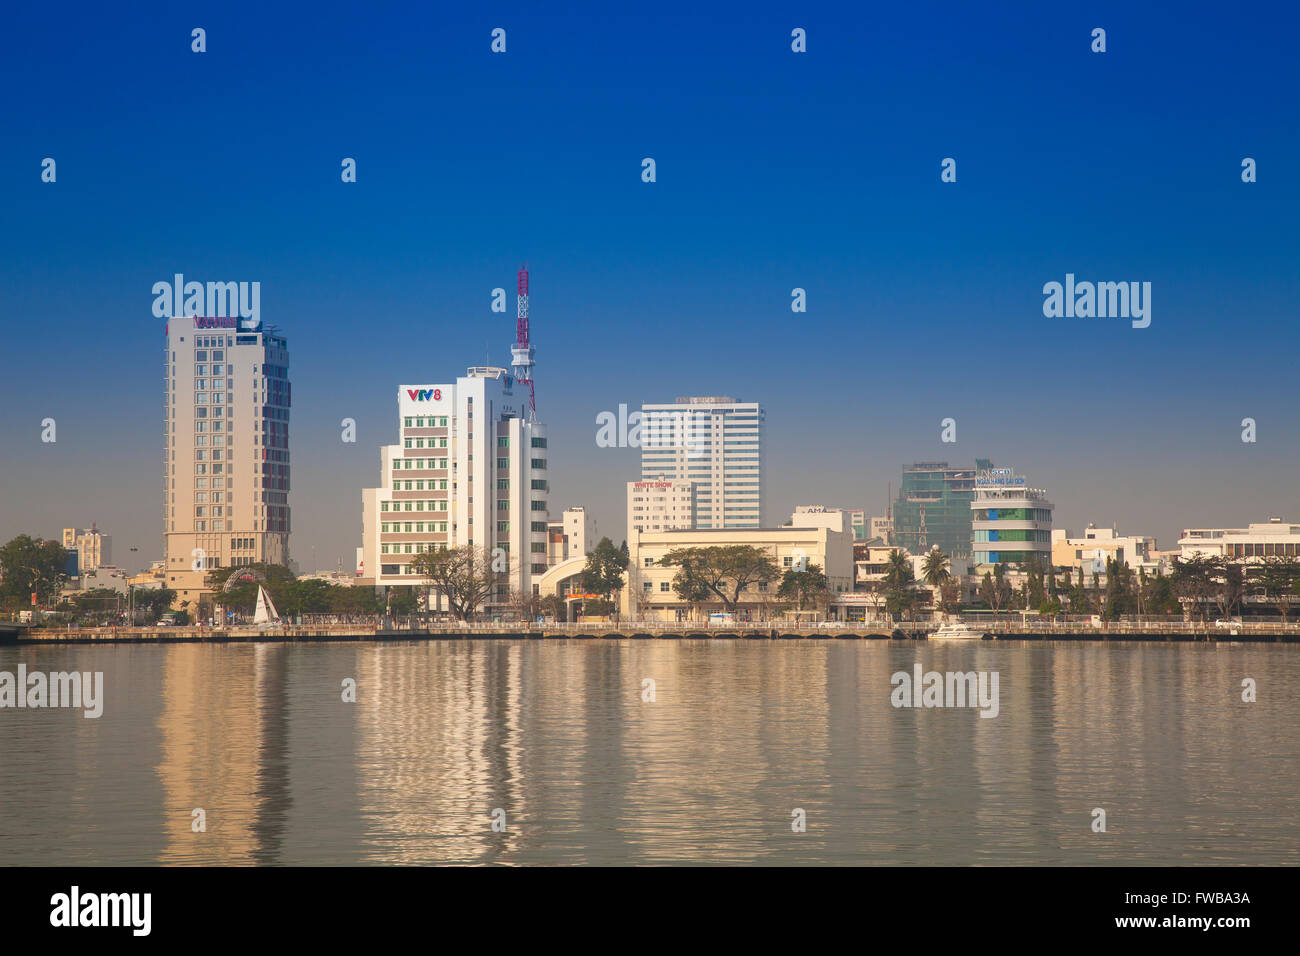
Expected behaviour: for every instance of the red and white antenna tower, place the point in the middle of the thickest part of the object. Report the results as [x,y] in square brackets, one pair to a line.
[523,354]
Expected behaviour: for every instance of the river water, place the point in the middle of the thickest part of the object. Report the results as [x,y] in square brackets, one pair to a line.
[565,745]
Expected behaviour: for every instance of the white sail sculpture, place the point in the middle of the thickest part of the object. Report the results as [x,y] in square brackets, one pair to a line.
[266,613]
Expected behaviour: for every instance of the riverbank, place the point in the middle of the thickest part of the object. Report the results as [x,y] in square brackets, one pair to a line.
[1015,631]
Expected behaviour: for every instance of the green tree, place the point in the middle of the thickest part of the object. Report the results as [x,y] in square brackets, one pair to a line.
[1279,576]
[1193,580]
[803,584]
[553,606]
[935,569]
[603,573]
[725,571]
[30,565]
[950,597]
[995,590]
[463,575]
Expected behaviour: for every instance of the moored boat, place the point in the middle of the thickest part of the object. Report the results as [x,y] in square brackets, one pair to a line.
[958,631]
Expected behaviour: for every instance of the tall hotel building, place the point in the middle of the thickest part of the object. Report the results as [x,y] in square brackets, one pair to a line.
[469,468]
[1010,522]
[716,443]
[226,415]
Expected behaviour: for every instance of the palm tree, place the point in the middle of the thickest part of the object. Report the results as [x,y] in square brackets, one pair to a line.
[898,570]
[935,570]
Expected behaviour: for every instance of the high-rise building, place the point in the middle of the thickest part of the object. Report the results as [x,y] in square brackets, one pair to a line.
[226,458]
[715,442]
[469,469]
[94,548]
[1011,522]
[933,508]
[665,504]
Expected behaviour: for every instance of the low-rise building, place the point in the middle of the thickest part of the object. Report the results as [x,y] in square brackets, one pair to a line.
[649,591]
[1096,546]
[1254,543]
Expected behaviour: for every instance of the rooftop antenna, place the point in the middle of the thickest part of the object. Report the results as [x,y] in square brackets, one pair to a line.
[523,354]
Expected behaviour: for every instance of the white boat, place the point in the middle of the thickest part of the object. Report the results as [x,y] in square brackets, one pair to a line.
[266,615]
[958,631]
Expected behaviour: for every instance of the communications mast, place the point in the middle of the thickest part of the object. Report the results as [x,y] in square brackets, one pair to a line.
[522,355]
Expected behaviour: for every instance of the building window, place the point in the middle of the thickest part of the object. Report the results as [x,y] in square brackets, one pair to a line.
[503,441]
[664,586]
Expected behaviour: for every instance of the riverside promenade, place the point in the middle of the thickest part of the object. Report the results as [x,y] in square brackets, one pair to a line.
[1269,632]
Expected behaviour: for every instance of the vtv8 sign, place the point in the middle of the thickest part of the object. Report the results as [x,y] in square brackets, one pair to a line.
[424,394]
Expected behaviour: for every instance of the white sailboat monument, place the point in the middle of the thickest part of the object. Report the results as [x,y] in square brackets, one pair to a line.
[266,614]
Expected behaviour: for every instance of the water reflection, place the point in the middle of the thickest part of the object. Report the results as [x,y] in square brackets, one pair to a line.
[557,735]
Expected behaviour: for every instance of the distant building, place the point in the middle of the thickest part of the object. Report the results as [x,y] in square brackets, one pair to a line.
[1095,546]
[153,579]
[858,524]
[93,547]
[574,535]
[821,516]
[933,508]
[105,576]
[663,504]
[716,442]
[341,578]
[1011,522]
[1253,543]
[881,529]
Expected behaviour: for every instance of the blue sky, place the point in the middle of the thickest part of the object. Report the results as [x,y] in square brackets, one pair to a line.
[775,170]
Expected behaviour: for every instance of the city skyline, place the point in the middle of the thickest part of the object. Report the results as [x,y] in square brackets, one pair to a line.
[924,299]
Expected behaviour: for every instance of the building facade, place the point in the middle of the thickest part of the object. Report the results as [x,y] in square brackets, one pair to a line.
[1096,546]
[666,504]
[715,442]
[469,469]
[93,547]
[1011,523]
[574,535]
[649,591]
[226,459]
[933,508]
[1253,543]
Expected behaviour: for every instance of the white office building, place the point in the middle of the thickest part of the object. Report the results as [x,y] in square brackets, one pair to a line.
[1253,543]
[468,468]
[660,505]
[573,536]
[226,449]
[715,442]
[1011,523]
